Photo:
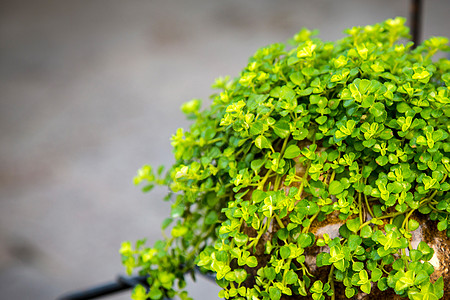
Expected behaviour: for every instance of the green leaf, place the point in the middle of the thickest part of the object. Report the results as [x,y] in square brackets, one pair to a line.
[398,265]
[377,211]
[281,128]
[353,224]
[178,210]
[285,252]
[350,292]
[367,170]
[323,259]
[275,293]
[144,173]
[256,164]
[354,240]
[154,294]
[241,239]
[415,255]
[357,266]
[421,277]
[317,287]
[166,223]
[403,107]
[403,283]
[344,231]
[148,188]
[442,225]
[376,275]
[262,142]
[191,107]
[139,293]
[211,217]
[382,160]
[287,93]
[413,225]
[382,284]
[377,109]
[291,277]
[270,273]
[364,277]
[335,187]
[393,159]
[305,240]
[438,287]
[366,232]
[395,187]
[366,287]
[240,275]
[179,230]
[321,120]
[292,152]
[297,78]
[257,127]
[282,234]
[252,262]
[340,265]
[367,101]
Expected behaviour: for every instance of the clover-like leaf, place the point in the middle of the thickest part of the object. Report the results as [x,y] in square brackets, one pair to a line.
[336,188]
[292,151]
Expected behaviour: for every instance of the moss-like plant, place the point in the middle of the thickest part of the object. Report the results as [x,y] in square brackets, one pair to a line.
[356,130]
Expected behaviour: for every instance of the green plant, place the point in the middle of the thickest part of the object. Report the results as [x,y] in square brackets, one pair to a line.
[356,129]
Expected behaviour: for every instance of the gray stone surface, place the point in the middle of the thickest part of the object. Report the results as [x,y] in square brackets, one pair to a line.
[90,91]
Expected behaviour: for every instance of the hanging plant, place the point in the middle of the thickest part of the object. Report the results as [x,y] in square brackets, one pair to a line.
[320,172]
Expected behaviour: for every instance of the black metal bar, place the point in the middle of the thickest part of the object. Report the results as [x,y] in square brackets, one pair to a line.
[133,281]
[416,20]
[122,283]
[95,292]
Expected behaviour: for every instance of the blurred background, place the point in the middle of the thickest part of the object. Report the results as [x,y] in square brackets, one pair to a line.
[90,91]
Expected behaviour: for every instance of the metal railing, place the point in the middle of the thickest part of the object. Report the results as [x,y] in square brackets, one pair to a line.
[121,283]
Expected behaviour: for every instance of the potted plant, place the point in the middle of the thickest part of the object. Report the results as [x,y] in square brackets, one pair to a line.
[320,172]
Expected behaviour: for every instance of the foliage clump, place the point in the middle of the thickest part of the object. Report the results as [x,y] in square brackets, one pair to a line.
[357,129]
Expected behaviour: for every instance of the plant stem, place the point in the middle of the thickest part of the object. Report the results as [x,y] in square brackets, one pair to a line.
[331,281]
[279,221]
[261,184]
[260,233]
[306,229]
[368,206]
[286,270]
[283,148]
[360,209]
